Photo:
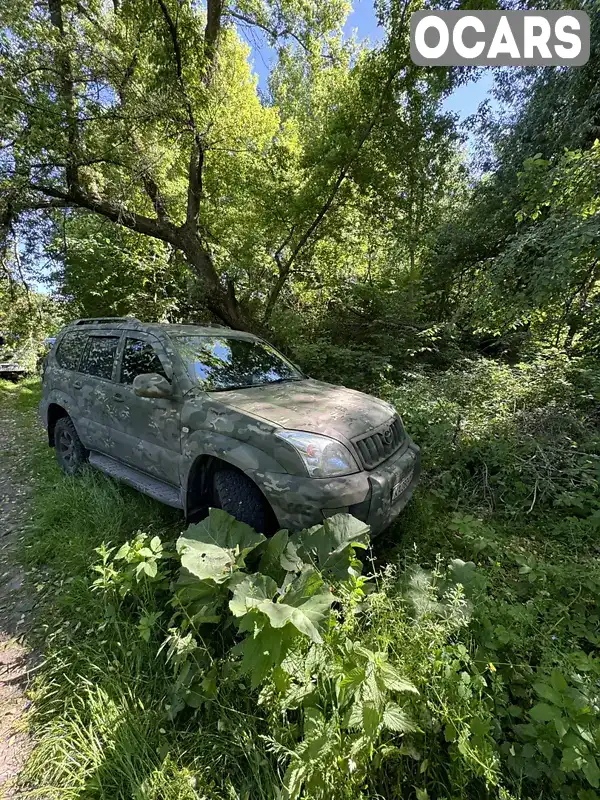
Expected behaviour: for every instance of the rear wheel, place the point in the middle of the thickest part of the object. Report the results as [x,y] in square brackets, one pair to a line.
[238,496]
[70,453]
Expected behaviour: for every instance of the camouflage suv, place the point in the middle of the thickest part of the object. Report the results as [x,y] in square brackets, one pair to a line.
[206,416]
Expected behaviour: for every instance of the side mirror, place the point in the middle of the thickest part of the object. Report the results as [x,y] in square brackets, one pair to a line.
[151,384]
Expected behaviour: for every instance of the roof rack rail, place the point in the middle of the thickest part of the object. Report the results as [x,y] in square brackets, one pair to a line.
[100,320]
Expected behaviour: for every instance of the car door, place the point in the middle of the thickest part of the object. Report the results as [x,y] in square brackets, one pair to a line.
[92,388]
[146,430]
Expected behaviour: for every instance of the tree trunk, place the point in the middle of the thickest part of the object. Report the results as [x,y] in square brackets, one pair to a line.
[220,300]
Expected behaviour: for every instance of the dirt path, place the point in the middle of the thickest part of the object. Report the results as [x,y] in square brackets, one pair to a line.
[15,660]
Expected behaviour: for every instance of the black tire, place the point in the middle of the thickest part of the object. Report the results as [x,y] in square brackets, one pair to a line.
[70,453]
[238,496]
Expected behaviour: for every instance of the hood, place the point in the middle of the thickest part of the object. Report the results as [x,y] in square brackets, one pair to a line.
[312,406]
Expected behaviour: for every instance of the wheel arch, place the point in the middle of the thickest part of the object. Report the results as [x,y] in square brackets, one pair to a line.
[198,484]
[55,412]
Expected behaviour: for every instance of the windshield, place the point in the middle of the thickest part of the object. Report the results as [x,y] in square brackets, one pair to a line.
[219,363]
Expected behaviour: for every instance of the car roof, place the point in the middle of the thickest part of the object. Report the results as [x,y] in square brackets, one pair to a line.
[171,329]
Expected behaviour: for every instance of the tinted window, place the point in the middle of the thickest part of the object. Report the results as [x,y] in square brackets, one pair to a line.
[139,358]
[70,350]
[99,356]
[219,363]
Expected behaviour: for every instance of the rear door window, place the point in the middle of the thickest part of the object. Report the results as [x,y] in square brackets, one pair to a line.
[70,349]
[99,356]
[139,358]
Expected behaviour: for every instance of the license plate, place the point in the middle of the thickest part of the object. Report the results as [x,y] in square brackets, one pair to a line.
[401,486]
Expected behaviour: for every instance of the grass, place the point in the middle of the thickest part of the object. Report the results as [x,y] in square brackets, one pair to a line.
[509,675]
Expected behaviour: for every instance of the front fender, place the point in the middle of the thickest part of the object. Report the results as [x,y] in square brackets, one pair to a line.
[243,456]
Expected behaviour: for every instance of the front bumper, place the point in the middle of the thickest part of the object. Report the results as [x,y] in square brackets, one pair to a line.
[301,502]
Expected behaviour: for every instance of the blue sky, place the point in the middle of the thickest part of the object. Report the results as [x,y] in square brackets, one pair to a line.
[464,101]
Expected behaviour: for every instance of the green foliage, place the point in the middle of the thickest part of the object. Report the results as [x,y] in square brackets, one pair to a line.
[104,270]
[141,560]
[216,547]
[26,319]
[348,713]
[272,612]
[513,439]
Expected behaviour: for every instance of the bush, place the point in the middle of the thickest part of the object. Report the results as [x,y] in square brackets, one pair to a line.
[501,438]
[312,643]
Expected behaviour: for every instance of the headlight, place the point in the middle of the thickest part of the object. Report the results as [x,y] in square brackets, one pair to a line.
[323,457]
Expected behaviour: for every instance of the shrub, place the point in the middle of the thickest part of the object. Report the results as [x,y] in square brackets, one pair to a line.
[509,439]
[361,681]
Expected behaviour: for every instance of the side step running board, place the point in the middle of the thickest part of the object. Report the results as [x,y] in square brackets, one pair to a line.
[153,487]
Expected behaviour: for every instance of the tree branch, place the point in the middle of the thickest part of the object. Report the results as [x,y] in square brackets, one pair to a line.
[155,196]
[45,204]
[174,38]
[196,163]
[194,197]
[63,64]
[158,229]
[275,34]
[214,10]
[148,181]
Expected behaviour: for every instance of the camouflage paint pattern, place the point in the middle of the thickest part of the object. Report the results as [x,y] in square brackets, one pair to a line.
[152,385]
[164,436]
[313,406]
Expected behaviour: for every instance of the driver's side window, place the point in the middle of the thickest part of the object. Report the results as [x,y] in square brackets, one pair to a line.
[139,358]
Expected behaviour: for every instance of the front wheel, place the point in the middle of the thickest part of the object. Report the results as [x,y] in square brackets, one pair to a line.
[70,453]
[238,496]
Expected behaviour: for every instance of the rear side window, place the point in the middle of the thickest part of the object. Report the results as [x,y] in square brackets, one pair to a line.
[70,350]
[99,356]
[139,358]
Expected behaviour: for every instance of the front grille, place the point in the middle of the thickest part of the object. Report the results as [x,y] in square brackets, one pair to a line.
[379,444]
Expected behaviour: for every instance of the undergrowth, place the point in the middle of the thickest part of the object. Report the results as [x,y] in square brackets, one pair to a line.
[460,662]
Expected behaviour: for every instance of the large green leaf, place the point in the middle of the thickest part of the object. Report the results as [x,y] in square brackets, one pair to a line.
[393,680]
[279,557]
[203,601]
[371,719]
[542,712]
[327,546]
[305,605]
[215,547]
[397,720]
[250,593]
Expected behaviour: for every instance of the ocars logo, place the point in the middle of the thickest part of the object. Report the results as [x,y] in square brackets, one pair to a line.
[500,38]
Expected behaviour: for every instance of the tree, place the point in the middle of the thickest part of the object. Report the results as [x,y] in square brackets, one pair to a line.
[147,115]
[517,251]
[550,268]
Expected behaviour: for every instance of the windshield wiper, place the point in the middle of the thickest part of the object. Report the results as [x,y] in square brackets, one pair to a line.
[251,385]
[234,388]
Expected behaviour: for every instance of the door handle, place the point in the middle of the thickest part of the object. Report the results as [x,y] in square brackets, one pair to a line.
[118,397]
[77,384]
